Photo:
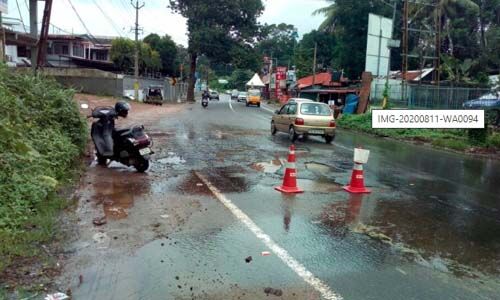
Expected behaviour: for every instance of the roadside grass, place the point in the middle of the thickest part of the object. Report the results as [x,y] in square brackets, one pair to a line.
[494,140]
[455,139]
[42,136]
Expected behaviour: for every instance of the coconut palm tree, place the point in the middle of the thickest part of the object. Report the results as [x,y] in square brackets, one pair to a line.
[330,13]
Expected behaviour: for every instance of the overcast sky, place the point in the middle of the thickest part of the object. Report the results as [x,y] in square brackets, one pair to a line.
[156,17]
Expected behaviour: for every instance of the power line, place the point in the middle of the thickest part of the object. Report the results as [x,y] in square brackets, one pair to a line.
[125,7]
[20,16]
[81,21]
[108,18]
[124,13]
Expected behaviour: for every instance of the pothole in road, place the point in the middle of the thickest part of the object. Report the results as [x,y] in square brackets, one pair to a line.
[267,167]
[322,168]
[316,186]
[193,185]
[342,166]
[172,159]
[112,190]
[229,179]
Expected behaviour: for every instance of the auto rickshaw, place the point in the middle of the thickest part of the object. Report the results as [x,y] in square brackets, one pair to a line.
[253,97]
[153,95]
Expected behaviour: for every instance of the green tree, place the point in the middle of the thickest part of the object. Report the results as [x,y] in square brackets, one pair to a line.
[239,78]
[214,27]
[304,55]
[348,20]
[122,54]
[278,41]
[167,49]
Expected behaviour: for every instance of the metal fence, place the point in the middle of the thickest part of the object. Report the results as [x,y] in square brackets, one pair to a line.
[428,96]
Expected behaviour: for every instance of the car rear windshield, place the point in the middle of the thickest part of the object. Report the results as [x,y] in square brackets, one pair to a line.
[254,93]
[315,109]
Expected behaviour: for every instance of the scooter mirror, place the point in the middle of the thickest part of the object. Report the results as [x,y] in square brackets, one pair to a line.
[84,105]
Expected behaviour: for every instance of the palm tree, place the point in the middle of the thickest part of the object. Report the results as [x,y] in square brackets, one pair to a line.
[330,13]
[446,10]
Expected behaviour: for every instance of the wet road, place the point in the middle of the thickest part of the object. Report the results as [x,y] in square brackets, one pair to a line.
[429,230]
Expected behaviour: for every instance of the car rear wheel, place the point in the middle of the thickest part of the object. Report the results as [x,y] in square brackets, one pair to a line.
[329,138]
[273,128]
[292,135]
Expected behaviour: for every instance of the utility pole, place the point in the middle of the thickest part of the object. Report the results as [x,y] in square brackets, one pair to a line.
[34,30]
[2,41]
[136,54]
[314,63]
[42,42]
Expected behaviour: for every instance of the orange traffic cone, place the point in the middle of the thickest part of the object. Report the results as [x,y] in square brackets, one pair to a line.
[290,181]
[357,185]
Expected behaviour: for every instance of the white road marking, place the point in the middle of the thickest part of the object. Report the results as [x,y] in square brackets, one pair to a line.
[231,106]
[296,266]
[266,108]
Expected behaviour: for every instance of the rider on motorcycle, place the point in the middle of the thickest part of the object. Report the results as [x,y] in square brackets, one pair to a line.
[205,95]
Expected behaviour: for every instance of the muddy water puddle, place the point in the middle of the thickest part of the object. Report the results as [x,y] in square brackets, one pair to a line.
[439,237]
[117,191]
[323,169]
[193,185]
[316,186]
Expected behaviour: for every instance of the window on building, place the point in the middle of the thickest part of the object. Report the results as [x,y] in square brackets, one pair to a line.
[65,50]
[78,50]
[101,55]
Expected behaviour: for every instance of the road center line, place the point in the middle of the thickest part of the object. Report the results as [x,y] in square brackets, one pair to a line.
[291,262]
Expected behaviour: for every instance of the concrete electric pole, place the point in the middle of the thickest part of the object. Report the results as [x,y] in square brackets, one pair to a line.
[34,30]
[2,44]
[136,55]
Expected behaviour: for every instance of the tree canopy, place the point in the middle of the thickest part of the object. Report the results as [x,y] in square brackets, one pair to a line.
[167,50]
[469,35]
[216,27]
[278,41]
[122,55]
[304,55]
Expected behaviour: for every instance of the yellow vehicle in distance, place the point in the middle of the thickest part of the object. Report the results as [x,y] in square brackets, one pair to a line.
[253,97]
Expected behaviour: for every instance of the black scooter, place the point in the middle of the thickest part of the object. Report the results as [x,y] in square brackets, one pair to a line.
[204,102]
[130,146]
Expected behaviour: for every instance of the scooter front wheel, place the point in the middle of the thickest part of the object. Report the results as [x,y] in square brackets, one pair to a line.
[141,165]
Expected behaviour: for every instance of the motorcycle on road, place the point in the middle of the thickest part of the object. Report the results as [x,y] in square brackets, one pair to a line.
[204,102]
[129,146]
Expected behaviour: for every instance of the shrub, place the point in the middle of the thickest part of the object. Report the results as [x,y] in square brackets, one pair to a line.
[478,136]
[494,140]
[454,144]
[41,135]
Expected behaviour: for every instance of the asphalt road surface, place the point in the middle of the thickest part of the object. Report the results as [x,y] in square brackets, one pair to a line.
[429,229]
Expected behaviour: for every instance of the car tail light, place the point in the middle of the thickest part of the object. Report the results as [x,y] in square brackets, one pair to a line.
[332,123]
[299,121]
